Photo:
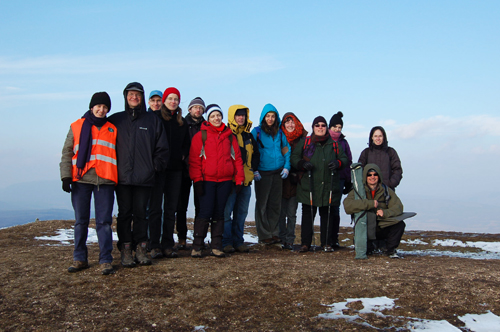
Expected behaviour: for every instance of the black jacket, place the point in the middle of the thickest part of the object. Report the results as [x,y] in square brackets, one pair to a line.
[178,141]
[141,144]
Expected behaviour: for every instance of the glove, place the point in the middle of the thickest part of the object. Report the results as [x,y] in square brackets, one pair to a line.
[308,166]
[66,184]
[256,176]
[198,188]
[238,188]
[333,165]
[347,188]
[284,173]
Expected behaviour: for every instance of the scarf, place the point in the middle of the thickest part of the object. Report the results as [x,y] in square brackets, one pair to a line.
[85,149]
[334,135]
[309,150]
[299,129]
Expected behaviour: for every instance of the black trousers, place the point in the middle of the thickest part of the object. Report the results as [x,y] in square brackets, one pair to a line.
[332,224]
[391,234]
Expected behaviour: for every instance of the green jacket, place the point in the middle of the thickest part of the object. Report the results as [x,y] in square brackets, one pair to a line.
[321,174]
[395,207]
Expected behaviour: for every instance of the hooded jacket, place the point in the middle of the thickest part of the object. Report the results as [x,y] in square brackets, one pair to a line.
[216,163]
[141,145]
[271,148]
[393,209]
[385,157]
[249,148]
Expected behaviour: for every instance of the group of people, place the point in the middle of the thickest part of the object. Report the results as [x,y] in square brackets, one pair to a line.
[151,159]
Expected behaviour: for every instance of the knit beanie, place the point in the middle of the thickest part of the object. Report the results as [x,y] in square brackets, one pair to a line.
[100,98]
[214,108]
[197,102]
[336,119]
[318,119]
[169,91]
[155,93]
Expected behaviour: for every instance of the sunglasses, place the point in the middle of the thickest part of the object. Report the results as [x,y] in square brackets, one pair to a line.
[320,125]
[371,174]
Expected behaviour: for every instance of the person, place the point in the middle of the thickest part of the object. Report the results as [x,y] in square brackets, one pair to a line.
[154,101]
[388,229]
[294,131]
[168,186]
[88,166]
[215,160]
[274,166]
[345,183]
[379,153]
[322,158]
[237,203]
[193,120]
[142,151]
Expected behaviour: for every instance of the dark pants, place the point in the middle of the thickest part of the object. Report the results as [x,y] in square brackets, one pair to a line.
[392,235]
[132,225]
[182,207]
[212,205]
[155,211]
[268,193]
[103,205]
[171,192]
[332,224]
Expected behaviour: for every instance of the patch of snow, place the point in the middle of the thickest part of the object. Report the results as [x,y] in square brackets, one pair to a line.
[432,325]
[199,328]
[481,323]
[486,246]
[345,240]
[66,237]
[438,253]
[413,242]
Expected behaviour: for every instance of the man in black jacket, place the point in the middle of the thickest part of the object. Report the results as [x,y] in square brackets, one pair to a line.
[142,150]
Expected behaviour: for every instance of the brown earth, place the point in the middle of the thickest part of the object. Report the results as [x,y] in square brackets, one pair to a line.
[268,289]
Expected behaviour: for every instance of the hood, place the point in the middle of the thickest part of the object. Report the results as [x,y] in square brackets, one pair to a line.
[135,86]
[376,168]
[299,128]
[385,142]
[269,108]
[233,125]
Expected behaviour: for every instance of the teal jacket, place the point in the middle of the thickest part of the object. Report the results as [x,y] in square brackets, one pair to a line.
[271,148]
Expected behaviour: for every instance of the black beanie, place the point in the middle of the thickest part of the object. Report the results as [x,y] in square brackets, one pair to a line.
[336,119]
[100,98]
[241,111]
[318,119]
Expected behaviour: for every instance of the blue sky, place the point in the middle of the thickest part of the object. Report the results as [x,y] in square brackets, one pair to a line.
[428,71]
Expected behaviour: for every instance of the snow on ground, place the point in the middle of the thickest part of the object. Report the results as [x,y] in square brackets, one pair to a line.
[477,323]
[486,246]
[439,253]
[414,242]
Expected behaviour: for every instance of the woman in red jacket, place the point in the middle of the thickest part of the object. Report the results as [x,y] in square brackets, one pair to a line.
[214,160]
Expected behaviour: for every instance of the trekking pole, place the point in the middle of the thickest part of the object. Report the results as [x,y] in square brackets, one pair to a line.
[329,207]
[312,209]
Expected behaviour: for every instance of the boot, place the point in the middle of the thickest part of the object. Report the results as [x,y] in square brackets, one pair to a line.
[141,256]
[126,253]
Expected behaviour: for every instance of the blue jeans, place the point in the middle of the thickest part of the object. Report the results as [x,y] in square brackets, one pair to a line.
[237,205]
[104,197]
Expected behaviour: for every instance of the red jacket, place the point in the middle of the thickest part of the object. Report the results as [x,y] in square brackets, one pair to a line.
[216,164]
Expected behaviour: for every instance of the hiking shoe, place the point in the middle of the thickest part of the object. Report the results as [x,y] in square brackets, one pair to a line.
[170,253]
[196,253]
[337,246]
[328,249]
[229,249]
[141,256]
[268,241]
[287,246]
[392,254]
[276,239]
[107,269]
[304,248]
[182,245]
[242,248]
[217,253]
[78,266]
[126,255]
[156,253]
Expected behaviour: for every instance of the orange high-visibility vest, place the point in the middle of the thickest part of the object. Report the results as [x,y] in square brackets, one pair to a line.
[103,153]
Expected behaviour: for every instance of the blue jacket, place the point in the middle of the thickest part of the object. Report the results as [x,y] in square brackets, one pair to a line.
[271,156]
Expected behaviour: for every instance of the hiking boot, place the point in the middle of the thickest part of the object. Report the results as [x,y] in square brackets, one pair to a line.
[217,253]
[181,245]
[196,253]
[328,249]
[337,246]
[141,256]
[169,253]
[107,269]
[287,246]
[156,253]
[229,249]
[78,266]
[242,248]
[392,254]
[304,248]
[126,255]
[276,239]
[268,241]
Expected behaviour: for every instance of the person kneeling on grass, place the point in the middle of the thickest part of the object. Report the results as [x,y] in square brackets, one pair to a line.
[381,204]
[88,165]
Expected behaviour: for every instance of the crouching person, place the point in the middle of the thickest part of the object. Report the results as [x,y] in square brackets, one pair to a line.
[88,166]
[382,206]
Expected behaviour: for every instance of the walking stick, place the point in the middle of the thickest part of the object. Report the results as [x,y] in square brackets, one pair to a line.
[329,207]
[312,209]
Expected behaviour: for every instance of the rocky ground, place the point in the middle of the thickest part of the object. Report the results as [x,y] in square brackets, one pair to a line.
[268,289]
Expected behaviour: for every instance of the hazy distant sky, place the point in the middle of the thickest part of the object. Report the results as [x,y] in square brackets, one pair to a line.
[428,71]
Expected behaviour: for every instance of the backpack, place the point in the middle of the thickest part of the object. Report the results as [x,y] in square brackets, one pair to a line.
[284,149]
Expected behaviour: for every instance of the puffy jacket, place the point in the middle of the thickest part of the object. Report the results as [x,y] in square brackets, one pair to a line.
[271,148]
[321,174]
[393,209]
[249,149]
[385,157]
[215,164]
[141,144]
